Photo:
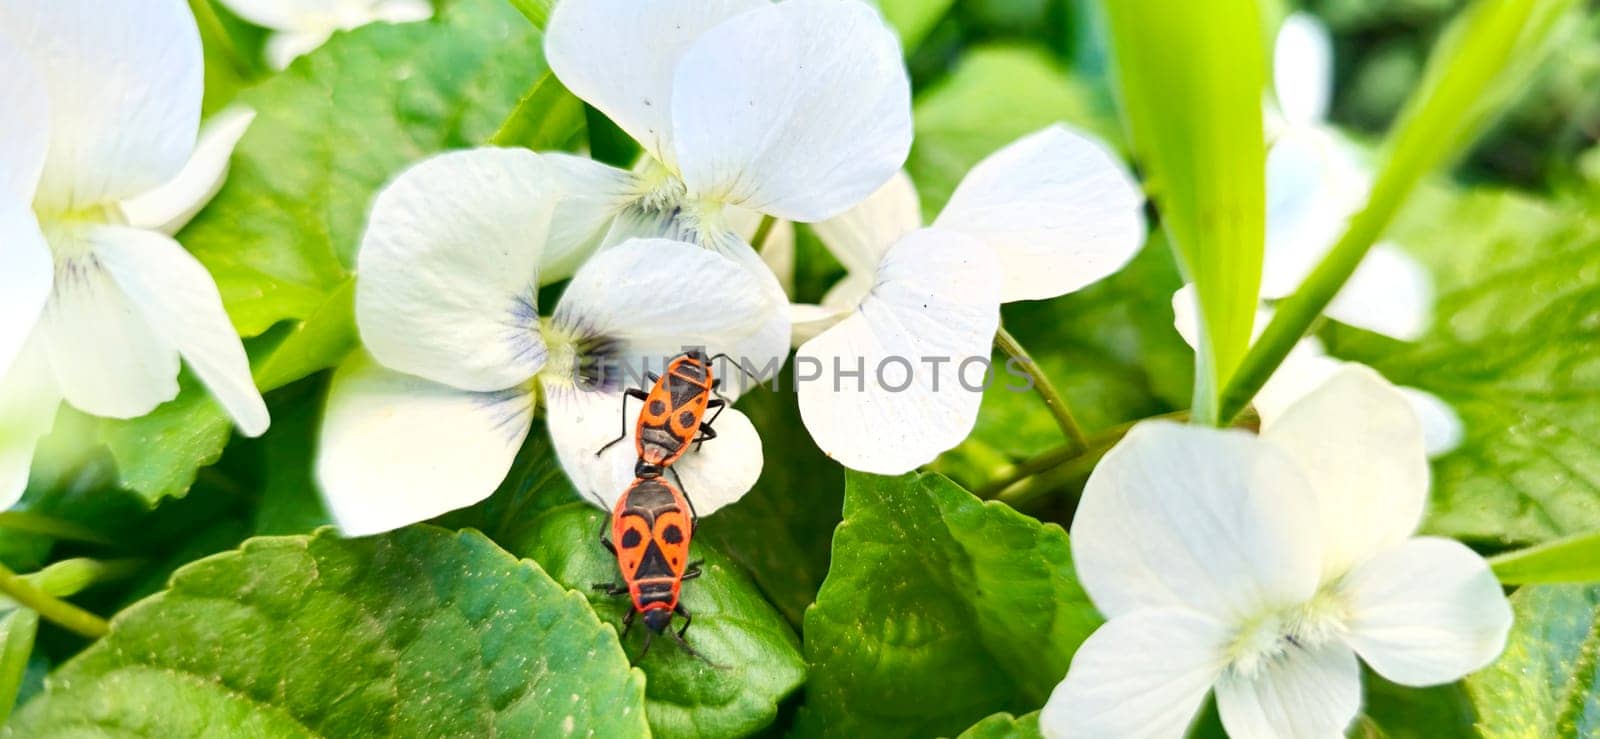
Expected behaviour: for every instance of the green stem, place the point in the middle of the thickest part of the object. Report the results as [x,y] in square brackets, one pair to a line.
[1496,43]
[1042,385]
[211,27]
[53,609]
[34,523]
[763,230]
[1064,454]
[17,632]
[72,576]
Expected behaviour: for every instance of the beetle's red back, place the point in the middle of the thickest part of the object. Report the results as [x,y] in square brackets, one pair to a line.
[651,528]
[673,411]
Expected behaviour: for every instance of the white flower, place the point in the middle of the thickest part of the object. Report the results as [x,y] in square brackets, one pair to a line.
[301,26]
[1316,180]
[1048,214]
[797,110]
[98,165]
[1307,367]
[446,303]
[1261,567]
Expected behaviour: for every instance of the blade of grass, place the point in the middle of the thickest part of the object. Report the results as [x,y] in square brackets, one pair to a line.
[1488,55]
[1574,559]
[1190,78]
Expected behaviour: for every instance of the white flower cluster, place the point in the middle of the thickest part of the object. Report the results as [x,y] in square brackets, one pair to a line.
[99,165]
[1257,567]
[800,111]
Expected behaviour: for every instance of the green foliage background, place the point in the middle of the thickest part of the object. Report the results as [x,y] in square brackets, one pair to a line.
[833,604]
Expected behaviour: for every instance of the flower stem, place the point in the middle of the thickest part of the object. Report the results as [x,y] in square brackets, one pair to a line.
[211,28]
[53,609]
[1064,454]
[763,230]
[1042,385]
[34,523]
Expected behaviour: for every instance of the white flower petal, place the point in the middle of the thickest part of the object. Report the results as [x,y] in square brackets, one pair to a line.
[1302,69]
[807,321]
[1057,206]
[589,197]
[1304,370]
[107,358]
[1143,674]
[1442,429]
[179,301]
[449,269]
[397,449]
[620,56]
[170,207]
[24,124]
[283,48]
[402,11]
[714,474]
[124,81]
[1303,694]
[723,469]
[25,278]
[1426,612]
[28,403]
[655,298]
[280,15]
[799,109]
[1390,293]
[1186,314]
[1315,182]
[1359,443]
[936,297]
[777,251]
[860,236]
[1208,519]
[581,423]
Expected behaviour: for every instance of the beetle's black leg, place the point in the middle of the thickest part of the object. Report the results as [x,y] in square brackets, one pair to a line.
[688,618]
[648,635]
[627,625]
[694,517]
[706,432]
[631,392]
[677,636]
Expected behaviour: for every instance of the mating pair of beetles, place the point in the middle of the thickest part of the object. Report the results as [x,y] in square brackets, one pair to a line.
[654,520]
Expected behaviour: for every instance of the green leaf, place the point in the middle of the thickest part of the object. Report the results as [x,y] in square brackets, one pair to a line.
[1512,350]
[416,633]
[1390,711]
[940,609]
[536,513]
[1005,726]
[1190,77]
[537,11]
[289,501]
[1545,684]
[914,18]
[281,236]
[995,95]
[1575,559]
[548,118]
[158,455]
[755,656]
[1487,56]
[17,630]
